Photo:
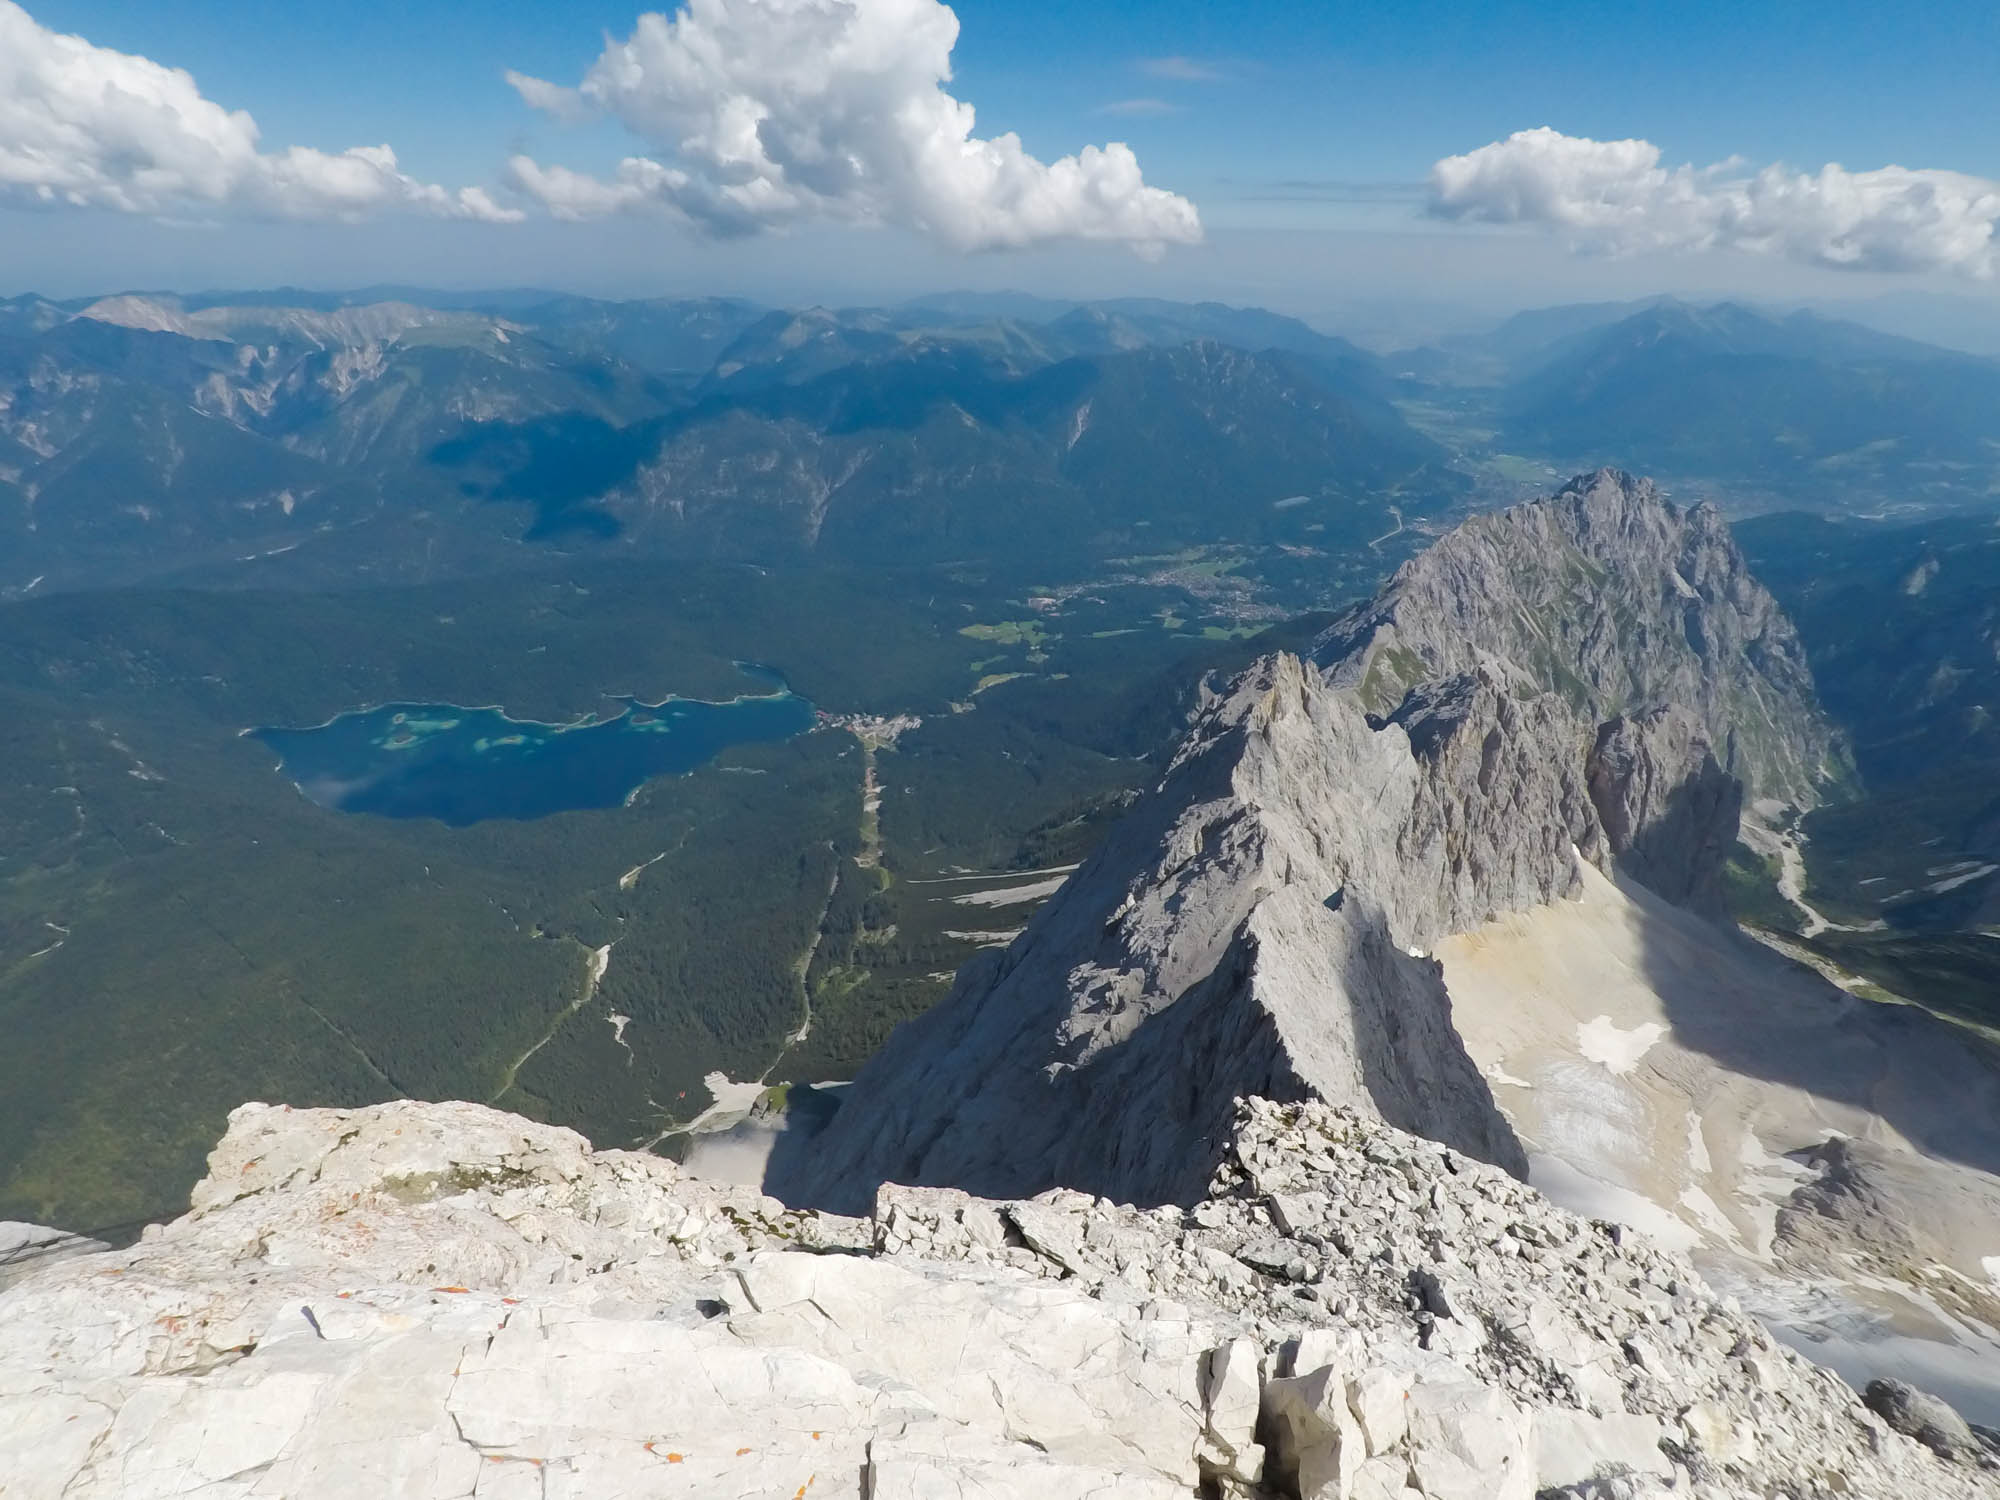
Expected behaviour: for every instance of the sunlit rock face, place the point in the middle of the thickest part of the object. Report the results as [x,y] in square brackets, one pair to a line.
[1459,874]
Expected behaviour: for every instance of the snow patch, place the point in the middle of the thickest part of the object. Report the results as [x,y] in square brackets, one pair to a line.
[1603,1041]
[1698,1146]
[1012,895]
[1978,872]
[1580,1193]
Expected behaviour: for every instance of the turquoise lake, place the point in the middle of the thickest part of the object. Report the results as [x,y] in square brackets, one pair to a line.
[465,765]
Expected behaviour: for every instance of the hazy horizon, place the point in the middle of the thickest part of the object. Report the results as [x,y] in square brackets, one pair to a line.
[1423,302]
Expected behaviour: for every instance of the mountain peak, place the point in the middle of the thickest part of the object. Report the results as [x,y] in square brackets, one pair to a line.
[1613,597]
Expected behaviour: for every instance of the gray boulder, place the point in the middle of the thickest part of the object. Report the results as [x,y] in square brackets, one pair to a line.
[1920,1415]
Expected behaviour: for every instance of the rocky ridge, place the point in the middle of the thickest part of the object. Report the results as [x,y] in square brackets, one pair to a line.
[1247,929]
[442,1300]
[1258,923]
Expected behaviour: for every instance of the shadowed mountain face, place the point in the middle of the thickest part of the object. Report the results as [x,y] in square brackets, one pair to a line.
[1903,626]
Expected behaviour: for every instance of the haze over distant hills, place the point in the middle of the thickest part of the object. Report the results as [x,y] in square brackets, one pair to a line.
[140,434]
[1799,405]
[393,433]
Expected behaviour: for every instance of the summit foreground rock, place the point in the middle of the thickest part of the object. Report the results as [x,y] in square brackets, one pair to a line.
[444,1301]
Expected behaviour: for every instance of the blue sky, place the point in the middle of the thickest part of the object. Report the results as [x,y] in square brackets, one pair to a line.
[1317,118]
[1305,91]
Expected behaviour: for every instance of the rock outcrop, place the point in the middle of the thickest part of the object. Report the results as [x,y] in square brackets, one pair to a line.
[28,1247]
[443,1301]
[1258,922]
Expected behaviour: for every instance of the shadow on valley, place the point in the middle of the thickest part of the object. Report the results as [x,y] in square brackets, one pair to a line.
[940,454]
[559,465]
[1764,1016]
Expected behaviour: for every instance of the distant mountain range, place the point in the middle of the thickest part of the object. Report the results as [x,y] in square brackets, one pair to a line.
[146,435]
[393,433]
[940,450]
[1801,405]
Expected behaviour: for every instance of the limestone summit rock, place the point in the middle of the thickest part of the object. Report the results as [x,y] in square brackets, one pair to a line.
[28,1247]
[441,1302]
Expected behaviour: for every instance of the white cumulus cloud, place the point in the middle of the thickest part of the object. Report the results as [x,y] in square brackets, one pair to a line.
[87,126]
[764,113]
[1616,196]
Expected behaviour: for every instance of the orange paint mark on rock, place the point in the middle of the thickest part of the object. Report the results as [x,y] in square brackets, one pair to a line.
[448,1289]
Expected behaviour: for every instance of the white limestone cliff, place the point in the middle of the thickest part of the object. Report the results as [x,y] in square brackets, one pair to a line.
[1617,600]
